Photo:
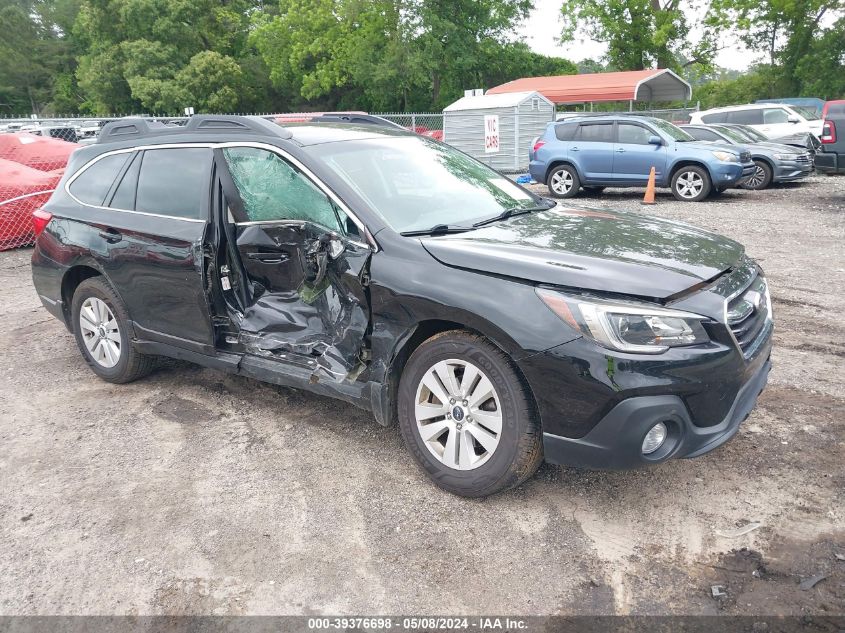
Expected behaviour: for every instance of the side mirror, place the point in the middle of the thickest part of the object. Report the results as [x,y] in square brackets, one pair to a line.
[655,140]
[793,119]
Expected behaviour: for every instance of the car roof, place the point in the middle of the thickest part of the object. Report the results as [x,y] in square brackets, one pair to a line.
[747,106]
[138,129]
[606,118]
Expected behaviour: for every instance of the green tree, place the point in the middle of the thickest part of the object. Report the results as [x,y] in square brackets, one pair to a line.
[34,53]
[150,55]
[787,32]
[639,33]
[392,54]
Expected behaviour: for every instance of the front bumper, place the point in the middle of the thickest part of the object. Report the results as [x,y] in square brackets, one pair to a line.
[786,171]
[615,442]
[730,174]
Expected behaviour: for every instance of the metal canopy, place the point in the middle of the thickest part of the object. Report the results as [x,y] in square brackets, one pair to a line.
[633,85]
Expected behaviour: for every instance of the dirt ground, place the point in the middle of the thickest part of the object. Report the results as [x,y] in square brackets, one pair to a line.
[195,492]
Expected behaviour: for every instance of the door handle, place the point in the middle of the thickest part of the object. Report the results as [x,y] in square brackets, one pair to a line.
[573,149]
[268,258]
[112,236]
[620,150]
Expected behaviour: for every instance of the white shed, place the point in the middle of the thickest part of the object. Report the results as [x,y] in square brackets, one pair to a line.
[498,129]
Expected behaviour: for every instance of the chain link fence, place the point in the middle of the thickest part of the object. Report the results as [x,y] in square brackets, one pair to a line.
[30,169]
[425,123]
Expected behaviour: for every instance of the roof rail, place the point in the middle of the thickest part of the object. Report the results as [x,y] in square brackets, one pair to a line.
[131,128]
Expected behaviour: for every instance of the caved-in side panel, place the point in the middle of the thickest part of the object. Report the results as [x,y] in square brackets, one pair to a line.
[306,305]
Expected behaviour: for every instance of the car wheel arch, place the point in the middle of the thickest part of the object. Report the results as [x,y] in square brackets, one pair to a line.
[78,272]
[423,331]
[557,163]
[687,163]
[764,159]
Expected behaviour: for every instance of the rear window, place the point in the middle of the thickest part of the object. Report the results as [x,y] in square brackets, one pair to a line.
[92,185]
[174,182]
[746,117]
[595,132]
[565,132]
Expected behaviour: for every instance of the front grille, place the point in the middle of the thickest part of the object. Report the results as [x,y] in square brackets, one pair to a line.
[803,158]
[749,318]
[744,157]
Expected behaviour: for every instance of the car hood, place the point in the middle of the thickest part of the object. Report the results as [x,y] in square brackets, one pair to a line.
[780,148]
[592,250]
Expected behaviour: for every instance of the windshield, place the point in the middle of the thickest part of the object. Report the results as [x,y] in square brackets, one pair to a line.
[671,130]
[808,113]
[415,183]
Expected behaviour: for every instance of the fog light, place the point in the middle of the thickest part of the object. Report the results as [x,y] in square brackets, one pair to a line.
[654,438]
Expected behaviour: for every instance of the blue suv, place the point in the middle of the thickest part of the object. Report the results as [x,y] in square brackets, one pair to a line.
[619,151]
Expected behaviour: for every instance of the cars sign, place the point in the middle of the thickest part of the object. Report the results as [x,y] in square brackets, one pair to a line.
[491,133]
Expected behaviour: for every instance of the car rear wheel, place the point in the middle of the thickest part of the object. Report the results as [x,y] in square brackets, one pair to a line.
[100,324]
[691,184]
[760,178]
[563,181]
[467,417]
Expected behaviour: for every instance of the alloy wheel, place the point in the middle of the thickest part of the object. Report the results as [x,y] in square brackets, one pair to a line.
[458,414]
[561,182]
[756,179]
[100,332]
[689,184]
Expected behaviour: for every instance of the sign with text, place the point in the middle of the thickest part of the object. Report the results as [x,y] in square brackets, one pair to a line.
[491,133]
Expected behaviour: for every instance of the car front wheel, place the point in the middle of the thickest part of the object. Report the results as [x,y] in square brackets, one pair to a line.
[100,324]
[563,181]
[760,178]
[691,184]
[466,415]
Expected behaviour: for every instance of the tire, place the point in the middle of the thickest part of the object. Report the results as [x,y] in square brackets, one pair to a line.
[507,458]
[593,190]
[691,184]
[563,181]
[102,333]
[761,178]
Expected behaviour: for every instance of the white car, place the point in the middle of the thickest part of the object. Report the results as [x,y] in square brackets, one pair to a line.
[775,120]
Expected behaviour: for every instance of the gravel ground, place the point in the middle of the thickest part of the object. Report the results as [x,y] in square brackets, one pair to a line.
[195,492]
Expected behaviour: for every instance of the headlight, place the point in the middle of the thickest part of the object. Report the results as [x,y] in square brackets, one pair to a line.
[627,327]
[726,157]
[786,156]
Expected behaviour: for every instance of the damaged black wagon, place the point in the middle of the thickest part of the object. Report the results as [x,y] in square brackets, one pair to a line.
[402,276]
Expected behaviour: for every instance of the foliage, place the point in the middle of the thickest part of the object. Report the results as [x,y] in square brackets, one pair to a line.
[793,37]
[639,33]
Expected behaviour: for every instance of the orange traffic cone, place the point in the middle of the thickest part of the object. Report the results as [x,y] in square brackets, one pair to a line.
[648,198]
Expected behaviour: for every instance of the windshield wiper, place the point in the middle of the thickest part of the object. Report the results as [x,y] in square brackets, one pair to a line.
[509,213]
[438,229]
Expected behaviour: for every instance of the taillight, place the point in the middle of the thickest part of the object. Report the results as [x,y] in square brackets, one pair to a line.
[828,132]
[538,144]
[40,219]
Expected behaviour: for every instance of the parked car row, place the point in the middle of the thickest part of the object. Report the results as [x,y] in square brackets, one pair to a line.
[694,161]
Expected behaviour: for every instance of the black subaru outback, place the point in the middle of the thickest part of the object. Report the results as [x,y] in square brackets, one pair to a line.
[402,276]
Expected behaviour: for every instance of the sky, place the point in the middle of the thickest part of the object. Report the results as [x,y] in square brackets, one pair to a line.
[543,27]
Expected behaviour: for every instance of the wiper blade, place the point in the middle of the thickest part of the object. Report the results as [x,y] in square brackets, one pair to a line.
[438,229]
[509,213]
